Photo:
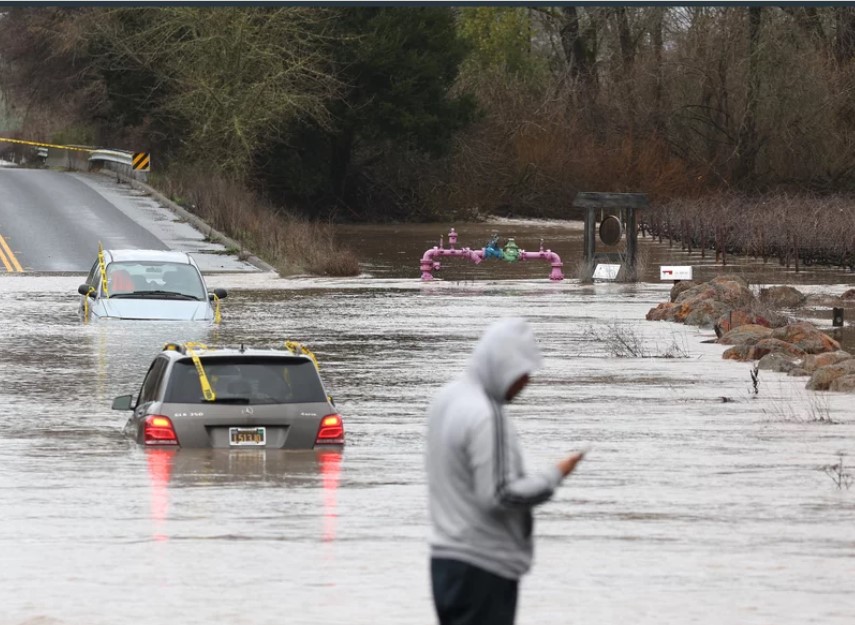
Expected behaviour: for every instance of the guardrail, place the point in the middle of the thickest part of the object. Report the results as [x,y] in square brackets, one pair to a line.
[82,157]
[119,161]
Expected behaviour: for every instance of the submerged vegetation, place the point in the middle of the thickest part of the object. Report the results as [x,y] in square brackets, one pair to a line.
[623,341]
[793,230]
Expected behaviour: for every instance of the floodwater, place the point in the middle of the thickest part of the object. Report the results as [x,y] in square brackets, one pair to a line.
[700,501]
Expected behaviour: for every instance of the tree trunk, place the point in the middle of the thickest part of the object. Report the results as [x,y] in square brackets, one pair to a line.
[340,159]
[844,43]
[658,112]
[747,140]
[576,52]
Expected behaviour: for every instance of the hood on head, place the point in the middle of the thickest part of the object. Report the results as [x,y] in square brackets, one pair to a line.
[506,351]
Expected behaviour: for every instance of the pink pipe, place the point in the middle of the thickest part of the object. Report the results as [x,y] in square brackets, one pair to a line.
[549,256]
[429,262]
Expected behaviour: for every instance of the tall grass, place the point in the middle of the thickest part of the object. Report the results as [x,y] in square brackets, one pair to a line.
[291,244]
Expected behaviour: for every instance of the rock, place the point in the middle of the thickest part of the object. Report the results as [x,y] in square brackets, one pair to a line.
[782,297]
[731,278]
[740,317]
[705,313]
[777,362]
[742,353]
[812,362]
[733,291]
[703,304]
[850,294]
[679,287]
[663,312]
[746,352]
[821,379]
[745,334]
[696,293]
[843,384]
[778,320]
[775,346]
[805,336]
[798,372]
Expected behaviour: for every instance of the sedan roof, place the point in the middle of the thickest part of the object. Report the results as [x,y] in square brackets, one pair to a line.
[163,256]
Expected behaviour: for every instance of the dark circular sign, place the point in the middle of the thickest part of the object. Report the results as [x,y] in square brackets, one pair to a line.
[611,230]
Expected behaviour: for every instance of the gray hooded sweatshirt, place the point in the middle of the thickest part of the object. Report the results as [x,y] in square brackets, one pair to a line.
[480,495]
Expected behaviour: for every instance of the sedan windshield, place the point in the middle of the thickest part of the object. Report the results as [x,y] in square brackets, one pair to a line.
[154,280]
[247,381]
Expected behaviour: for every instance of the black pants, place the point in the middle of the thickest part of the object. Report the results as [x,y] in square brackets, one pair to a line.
[467,595]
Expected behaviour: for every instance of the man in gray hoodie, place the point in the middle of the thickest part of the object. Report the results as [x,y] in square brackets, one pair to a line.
[480,495]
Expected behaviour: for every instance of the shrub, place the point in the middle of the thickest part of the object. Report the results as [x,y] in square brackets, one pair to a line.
[291,244]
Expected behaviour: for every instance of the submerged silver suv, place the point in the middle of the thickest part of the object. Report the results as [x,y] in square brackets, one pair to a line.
[233,398]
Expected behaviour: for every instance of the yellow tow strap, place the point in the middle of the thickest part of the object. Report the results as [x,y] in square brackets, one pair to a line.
[103,268]
[207,391]
[86,304]
[299,348]
[217,317]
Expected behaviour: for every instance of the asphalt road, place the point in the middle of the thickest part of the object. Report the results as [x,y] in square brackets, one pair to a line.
[52,221]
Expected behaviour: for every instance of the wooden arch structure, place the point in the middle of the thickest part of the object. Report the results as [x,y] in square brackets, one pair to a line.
[595,204]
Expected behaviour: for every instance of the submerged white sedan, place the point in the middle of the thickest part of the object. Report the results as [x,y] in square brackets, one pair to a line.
[147,284]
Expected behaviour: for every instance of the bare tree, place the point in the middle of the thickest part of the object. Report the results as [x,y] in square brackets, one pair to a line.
[747,145]
[236,75]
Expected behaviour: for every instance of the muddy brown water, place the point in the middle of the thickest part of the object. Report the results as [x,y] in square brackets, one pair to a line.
[700,501]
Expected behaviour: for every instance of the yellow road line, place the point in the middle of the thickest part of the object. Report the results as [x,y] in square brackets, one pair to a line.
[10,256]
[5,261]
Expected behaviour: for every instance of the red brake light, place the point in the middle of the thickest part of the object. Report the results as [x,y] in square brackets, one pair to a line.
[158,430]
[331,431]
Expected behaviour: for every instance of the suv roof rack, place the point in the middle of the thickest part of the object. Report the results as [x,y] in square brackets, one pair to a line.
[296,348]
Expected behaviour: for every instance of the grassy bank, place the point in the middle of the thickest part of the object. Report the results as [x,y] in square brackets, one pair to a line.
[291,244]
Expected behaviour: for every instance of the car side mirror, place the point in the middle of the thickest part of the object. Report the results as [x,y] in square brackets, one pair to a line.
[83,289]
[221,293]
[123,402]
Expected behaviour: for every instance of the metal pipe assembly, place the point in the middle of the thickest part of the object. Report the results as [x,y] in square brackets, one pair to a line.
[511,253]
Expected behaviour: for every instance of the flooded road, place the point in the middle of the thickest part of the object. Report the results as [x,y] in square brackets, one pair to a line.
[699,502]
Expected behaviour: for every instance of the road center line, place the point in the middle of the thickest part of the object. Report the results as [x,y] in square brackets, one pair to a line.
[9,256]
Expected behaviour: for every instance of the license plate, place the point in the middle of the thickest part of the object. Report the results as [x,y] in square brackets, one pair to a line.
[247,436]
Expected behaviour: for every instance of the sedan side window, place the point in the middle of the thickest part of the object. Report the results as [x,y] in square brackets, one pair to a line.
[148,392]
[91,279]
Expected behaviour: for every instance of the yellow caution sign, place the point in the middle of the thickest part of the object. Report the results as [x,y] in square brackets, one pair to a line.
[141,161]
[207,391]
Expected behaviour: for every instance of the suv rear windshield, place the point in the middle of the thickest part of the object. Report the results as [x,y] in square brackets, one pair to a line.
[247,381]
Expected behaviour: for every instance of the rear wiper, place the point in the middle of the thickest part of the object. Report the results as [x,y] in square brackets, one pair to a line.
[229,400]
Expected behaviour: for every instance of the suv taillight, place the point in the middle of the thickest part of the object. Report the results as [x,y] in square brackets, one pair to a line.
[331,431]
[158,430]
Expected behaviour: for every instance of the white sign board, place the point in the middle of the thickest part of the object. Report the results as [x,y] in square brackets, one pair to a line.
[606,272]
[675,272]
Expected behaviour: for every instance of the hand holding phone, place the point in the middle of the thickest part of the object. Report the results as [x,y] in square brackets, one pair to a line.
[569,463]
